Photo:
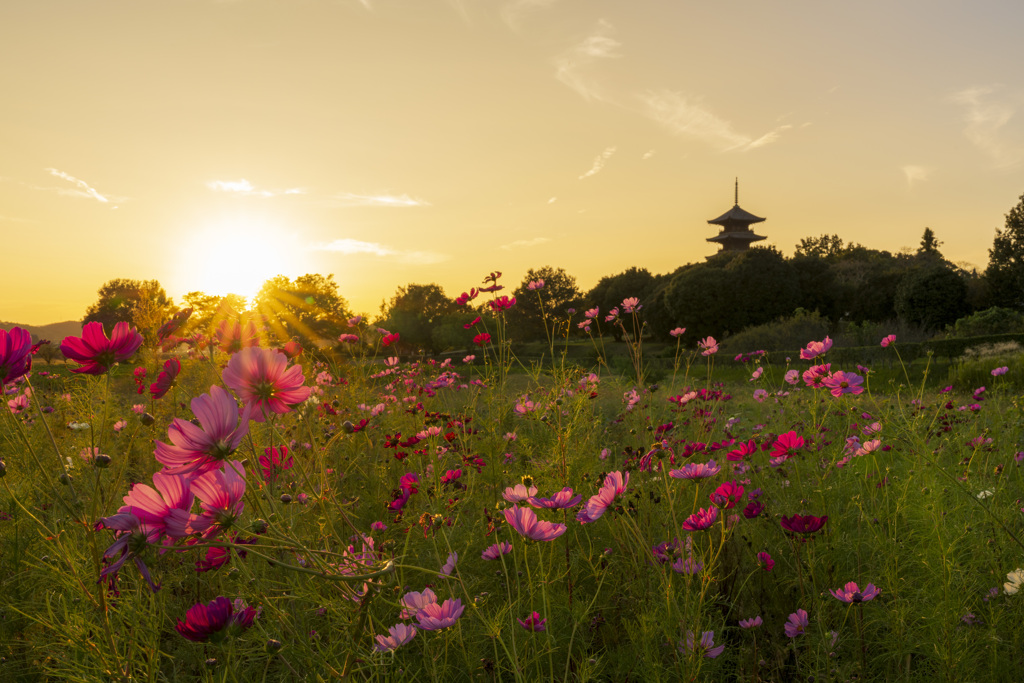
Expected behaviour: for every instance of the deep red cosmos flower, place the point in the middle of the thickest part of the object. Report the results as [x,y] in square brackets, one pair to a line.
[803,524]
[165,380]
[215,620]
[172,325]
[95,353]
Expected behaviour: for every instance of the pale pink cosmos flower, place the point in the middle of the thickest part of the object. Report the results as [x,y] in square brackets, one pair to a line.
[525,521]
[20,403]
[165,509]
[886,341]
[348,338]
[355,320]
[412,602]
[592,313]
[797,624]
[792,376]
[534,285]
[815,349]
[119,425]
[868,447]
[612,316]
[398,635]
[469,359]
[751,623]
[631,304]
[708,346]
[706,646]
[519,493]
[263,380]
[850,593]
[220,493]
[756,374]
[696,470]
[760,395]
[197,450]
[449,565]
[678,332]
[497,550]
[844,383]
[435,617]
[138,408]
[560,501]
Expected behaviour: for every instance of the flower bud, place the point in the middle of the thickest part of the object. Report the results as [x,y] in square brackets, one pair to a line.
[260,526]
[64,478]
[348,427]
[285,498]
[102,461]
[273,646]
[147,419]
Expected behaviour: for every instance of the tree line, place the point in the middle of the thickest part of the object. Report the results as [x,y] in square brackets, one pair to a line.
[722,295]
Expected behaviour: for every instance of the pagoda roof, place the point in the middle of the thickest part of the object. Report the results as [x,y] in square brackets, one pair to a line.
[736,215]
[746,236]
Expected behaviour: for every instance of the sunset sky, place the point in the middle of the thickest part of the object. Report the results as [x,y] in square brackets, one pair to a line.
[213,144]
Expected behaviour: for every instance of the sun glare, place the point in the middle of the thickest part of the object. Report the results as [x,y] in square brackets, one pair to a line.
[237,255]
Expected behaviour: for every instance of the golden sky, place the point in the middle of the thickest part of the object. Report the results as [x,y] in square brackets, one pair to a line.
[212,144]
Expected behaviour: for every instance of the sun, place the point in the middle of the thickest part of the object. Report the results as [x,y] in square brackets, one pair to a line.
[236,255]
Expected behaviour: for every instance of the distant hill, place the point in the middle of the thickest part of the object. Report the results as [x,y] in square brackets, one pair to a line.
[55,332]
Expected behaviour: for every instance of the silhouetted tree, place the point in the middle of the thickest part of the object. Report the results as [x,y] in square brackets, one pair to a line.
[929,245]
[309,308]
[558,294]
[416,311]
[825,246]
[610,291]
[932,297]
[142,303]
[1005,272]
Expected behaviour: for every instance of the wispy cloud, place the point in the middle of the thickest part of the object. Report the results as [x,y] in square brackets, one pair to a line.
[986,117]
[244,187]
[552,200]
[354,247]
[571,67]
[915,174]
[524,244]
[599,161]
[689,117]
[15,219]
[83,189]
[648,154]
[514,12]
[351,199]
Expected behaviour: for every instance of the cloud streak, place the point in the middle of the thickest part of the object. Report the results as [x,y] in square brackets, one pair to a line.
[352,247]
[245,188]
[688,117]
[514,12]
[599,161]
[525,244]
[572,66]
[352,199]
[985,118]
[83,188]
[915,174]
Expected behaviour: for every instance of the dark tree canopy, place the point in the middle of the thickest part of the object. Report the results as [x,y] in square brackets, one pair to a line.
[1005,272]
[417,313]
[209,309]
[825,246]
[308,307]
[610,291]
[932,297]
[929,245]
[142,303]
[559,294]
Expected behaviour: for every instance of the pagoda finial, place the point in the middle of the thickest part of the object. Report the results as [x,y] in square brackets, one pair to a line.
[737,200]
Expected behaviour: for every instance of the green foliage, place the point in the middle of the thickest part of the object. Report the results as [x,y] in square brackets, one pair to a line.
[779,335]
[209,309]
[932,296]
[309,308]
[993,320]
[419,313]
[142,303]
[1005,272]
[558,294]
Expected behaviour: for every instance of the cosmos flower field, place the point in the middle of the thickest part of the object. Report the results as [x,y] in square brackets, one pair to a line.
[255,511]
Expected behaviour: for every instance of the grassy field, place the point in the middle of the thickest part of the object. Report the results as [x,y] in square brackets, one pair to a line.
[921,487]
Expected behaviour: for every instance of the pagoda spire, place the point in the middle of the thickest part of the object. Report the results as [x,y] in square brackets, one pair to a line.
[736,234]
[736,199]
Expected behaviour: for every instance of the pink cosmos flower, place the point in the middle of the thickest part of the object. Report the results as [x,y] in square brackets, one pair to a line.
[815,349]
[739,454]
[751,623]
[888,340]
[678,332]
[687,565]
[701,520]
[727,495]
[534,285]
[706,646]
[94,353]
[497,550]
[1000,371]
[20,403]
[631,305]
[348,338]
[760,395]
[275,460]
[525,521]
[560,501]
[851,593]
[696,470]
[412,602]
[534,623]
[119,425]
[708,346]
[166,379]
[164,510]
[756,375]
[612,316]
[263,380]
[220,493]
[792,376]
[15,354]
[797,624]
[614,485]
[519,493]
[398,635]
[435,617]
[592,313]
[844,383]
[815,376]
[233,335]
[389,339]
[197,450]
[786,446]
[449,565]
[502,303]
[172,325]
[215,620]
[466,297]
[132,539]
[765,561]
[355,320]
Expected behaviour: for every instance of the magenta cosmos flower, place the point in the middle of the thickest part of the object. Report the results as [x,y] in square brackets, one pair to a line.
[132,539]
[560,501]
[434,617]
[614,484]
[844,383]
[727,495]
[263,380]
[705,647]
[275,460]
[851,593]
[220,492]
[215,621]
[165,380]
[15,354]
[696,470]
[525,521]
[202,449]
[803,524]
[172,325]
[889,339]
[398,635]
[413,601]
[797,624]
[94,353]
[163,510]
[701,520]
[497,550]
[534,623]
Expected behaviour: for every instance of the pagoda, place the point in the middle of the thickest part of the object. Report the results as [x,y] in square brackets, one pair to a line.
[736,234]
